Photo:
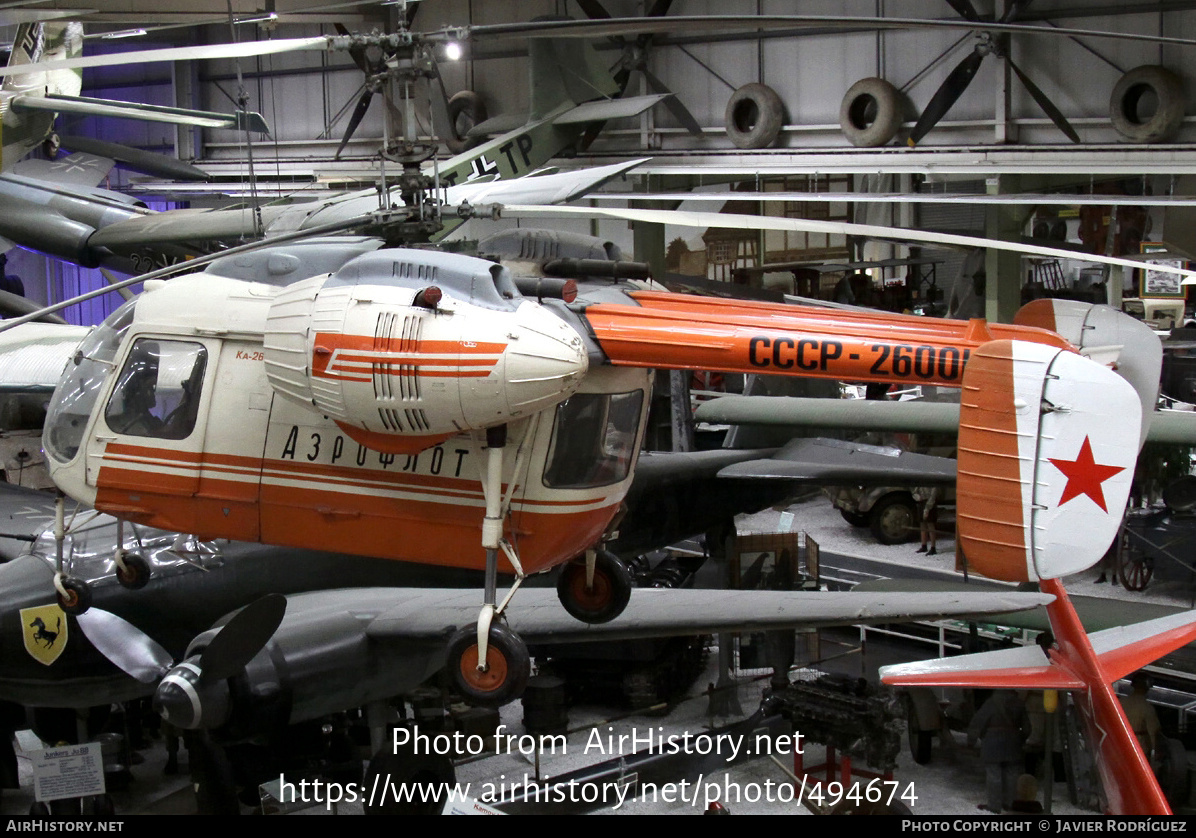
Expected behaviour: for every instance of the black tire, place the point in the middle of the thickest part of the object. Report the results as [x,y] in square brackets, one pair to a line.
[136,574]
[1172,769]
[608,597]
[508,669]
[1141,84]
[78,598]
[894,519]
[870,114]
[920,741]
[465,110]
[856,519]
[1134,568]
[423,777]
[754,116]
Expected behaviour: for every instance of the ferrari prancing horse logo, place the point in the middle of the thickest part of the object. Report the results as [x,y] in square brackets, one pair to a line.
[44,630]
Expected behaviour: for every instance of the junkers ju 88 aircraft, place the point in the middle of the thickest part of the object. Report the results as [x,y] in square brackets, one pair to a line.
[430,407]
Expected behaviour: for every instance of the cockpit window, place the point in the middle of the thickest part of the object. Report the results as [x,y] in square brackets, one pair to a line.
[157,394]
[593,440]
[84,376]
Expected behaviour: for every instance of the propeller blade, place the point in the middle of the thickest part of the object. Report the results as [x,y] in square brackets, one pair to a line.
[1015,10]
[356,53]
[676,108]
[965,9]
[246,634]
[947,95]
[128,647]
[363,105]
[594,10]
[1046,104]
[660,8]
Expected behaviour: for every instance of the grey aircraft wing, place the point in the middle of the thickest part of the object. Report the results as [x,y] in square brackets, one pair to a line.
[902,417]
[835,461]
[537,615]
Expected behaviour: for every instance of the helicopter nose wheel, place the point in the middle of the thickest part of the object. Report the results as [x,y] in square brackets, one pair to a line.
[505,673]
[74,595]
[600,598]
[133,571]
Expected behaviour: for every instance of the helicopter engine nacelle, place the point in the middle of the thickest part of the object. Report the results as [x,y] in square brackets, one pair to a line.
[404,348]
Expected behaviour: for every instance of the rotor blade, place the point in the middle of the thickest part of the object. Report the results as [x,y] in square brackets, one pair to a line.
[240,50]
[363,105]
[676,108]
[242,637]
[806,225]
[14,305]
[946,96]
[128,647]
[1046,104]
[965,9]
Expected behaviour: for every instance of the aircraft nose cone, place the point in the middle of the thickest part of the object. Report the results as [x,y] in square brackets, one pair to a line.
[544,364]
[185,700]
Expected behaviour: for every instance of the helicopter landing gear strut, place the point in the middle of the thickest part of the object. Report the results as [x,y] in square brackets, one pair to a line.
[490,664]
[74,595]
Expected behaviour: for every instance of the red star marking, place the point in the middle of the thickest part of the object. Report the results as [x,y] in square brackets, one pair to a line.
[1085,476]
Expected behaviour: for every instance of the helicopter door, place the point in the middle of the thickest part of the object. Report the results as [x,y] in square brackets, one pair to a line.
[147,447]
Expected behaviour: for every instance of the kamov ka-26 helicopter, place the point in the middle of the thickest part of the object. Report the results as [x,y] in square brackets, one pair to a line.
[431,407]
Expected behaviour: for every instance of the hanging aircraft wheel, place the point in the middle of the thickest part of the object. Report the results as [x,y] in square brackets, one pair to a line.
[1147,105]
[465,110]
[1134,568]
[608,596]
[404,772]
[870,114]
[136,572]
[894,519]
[508,666]
[754,116]
[78,596]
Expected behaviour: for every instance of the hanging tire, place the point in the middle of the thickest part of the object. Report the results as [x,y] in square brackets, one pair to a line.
[465,110]
[78,596]
[508,666]
[871,113]
[1167,90]
[410,783]
[754,116]
[136,573]
[608,596]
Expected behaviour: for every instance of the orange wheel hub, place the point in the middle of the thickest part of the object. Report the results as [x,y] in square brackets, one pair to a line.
[595,598]
[491,679]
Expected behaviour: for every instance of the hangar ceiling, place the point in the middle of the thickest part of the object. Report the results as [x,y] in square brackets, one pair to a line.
[996,130]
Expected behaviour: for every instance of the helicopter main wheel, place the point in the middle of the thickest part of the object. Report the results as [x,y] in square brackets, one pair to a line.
[78,596]
[135,574]
[508,666]
[605,599]
[1134,568]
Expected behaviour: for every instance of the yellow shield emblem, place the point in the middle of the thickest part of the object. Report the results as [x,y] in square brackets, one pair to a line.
[44,632]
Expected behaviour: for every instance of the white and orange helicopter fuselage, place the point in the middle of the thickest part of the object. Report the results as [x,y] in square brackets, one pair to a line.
[415,405]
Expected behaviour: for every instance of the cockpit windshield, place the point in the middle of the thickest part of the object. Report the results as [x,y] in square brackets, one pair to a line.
[593,440]
[76,396]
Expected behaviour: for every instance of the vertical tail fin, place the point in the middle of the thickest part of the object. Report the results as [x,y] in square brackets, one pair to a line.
[1047,446]
[1134,349]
